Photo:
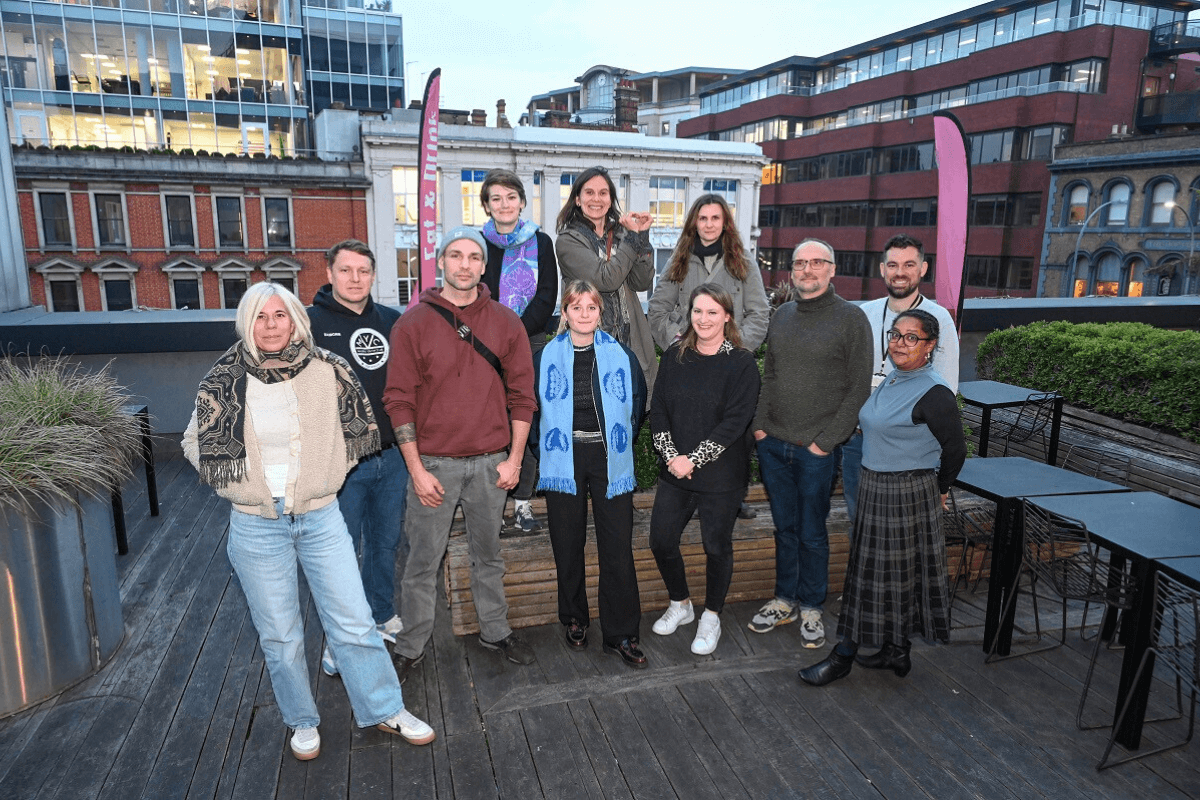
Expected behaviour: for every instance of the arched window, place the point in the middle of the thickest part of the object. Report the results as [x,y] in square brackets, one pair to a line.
[1162,203]
[1136,286]
[1108,276]
[1077,205]
[1080,270]
[1118,211]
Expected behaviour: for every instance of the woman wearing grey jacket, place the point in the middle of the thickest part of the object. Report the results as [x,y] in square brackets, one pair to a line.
[610,250]
[709,251]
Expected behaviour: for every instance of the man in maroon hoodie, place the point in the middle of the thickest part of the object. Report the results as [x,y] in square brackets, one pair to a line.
[461,413]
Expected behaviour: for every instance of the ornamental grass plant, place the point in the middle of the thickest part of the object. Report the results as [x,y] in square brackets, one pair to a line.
[63,431]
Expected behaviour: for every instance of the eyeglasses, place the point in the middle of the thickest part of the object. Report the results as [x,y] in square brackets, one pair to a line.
[801,264]
[909,338]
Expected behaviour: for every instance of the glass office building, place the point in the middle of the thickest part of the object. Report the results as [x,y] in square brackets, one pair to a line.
[228,76]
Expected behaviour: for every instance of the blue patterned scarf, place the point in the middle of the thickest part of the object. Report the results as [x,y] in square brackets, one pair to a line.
[519,269]
[557,408]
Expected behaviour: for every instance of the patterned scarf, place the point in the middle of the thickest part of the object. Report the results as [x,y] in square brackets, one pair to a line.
[221,407]
[556,398]
[519,269]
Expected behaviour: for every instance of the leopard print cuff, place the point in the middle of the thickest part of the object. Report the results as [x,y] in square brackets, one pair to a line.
[706,452]
[664,445]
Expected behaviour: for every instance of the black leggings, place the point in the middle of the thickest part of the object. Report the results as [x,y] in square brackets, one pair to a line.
[673,507]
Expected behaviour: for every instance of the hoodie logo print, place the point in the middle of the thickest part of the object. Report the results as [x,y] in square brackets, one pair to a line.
[370,350]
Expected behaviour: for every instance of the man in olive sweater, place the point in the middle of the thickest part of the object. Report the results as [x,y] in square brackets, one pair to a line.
[816,377]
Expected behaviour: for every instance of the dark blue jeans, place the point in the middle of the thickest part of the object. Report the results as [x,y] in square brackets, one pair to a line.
[798,484]
[851,467]
[372,501]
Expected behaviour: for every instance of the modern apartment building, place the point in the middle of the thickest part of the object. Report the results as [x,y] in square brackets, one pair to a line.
[850,136]
[216,75]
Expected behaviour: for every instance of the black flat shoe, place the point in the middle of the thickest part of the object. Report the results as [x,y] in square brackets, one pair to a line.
[746,512]
[629,652]
[897,659]
[827,671]
[576,636]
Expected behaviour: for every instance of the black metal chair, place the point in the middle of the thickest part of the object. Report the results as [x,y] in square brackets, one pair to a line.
[1099,464]
[969,530]
[1173,646]
[1031,421]
[1060,550]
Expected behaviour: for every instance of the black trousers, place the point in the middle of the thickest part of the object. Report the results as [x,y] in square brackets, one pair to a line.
[620,604]
[673,507]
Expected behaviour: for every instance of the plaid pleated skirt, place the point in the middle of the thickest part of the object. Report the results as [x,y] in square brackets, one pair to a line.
[896,579]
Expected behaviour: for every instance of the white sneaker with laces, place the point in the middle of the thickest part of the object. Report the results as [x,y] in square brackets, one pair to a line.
[812,630]
[406,725]
[306,744]
[708,633]
[523,516]
[388,630]
[677,613]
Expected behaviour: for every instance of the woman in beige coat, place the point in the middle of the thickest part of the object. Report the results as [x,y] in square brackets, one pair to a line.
[598,244]
[709,251]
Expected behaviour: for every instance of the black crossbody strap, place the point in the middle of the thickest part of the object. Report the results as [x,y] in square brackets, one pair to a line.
[464,332]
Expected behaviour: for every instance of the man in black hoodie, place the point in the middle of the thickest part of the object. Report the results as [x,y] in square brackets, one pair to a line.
[348,322]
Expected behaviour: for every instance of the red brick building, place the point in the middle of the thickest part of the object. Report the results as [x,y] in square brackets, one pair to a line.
[112,231]
[850,133]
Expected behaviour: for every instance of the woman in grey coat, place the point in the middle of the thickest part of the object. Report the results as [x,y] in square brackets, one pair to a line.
[610,250]
[709,251]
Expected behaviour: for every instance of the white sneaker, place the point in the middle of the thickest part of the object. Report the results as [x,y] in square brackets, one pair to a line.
[412,729]
[676,614]
[708,633]
[328,665]
[389,630]
[306,744]
[812,630]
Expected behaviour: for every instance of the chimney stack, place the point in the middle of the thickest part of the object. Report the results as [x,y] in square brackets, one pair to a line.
[501,118]
[479,118]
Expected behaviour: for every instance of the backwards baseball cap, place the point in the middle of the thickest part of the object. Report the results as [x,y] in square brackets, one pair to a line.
[462,232]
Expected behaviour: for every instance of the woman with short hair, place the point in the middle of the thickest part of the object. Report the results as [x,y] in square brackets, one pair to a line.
[703,404]
[277,425]
[591,400]
[913,448]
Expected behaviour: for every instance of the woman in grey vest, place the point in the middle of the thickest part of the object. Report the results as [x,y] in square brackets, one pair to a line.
[913,448]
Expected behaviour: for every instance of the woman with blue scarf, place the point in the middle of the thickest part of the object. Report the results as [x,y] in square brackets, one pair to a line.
[522,274]
[591,396]
[704,401]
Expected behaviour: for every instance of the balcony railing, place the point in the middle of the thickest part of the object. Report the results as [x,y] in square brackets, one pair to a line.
[1160,110]
[1174,38]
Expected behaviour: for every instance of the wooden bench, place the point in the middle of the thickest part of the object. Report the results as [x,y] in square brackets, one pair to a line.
[532,591]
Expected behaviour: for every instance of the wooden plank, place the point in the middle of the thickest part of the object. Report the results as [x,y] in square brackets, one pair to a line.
[516,774]
[370,773]
[563,767]
[639,766]
[689,776]
[470,766]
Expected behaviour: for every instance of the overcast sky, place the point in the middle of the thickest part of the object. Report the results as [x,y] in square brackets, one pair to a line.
[489,51]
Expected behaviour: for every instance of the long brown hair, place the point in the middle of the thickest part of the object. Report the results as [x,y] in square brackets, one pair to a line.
[731,242]
[571,212]
[688,342]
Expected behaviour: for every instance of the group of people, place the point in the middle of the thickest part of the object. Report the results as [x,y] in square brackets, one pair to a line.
[348,427]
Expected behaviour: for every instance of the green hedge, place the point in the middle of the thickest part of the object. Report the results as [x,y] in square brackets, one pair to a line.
[1126,370]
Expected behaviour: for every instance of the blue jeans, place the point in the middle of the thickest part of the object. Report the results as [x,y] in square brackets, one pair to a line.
[851,467]
[264,553]
[372,500]
[798,485]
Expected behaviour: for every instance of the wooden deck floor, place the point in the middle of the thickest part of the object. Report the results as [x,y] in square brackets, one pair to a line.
[185,709]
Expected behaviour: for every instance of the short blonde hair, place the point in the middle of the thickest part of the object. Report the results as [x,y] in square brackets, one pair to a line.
[252,303]
[577,288]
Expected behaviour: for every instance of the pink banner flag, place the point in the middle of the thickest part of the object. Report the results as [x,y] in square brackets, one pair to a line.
[954,192]
[427,236]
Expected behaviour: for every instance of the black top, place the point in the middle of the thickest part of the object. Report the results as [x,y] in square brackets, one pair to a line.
[938,410]
[584,418]
[362,339]
[541,306]
[706,404]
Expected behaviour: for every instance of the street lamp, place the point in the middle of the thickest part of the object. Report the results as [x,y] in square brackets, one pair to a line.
[1083,229]
[1192,247]
[407,88]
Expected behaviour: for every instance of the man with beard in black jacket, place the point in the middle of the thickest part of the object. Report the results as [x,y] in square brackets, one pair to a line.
[346,320]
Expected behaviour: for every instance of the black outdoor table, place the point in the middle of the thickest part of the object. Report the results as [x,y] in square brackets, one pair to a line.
[1004,481]
[1149,530]
[142,412]
[990,395]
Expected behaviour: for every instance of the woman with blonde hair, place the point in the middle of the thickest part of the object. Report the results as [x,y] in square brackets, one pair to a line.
[591,400]
[277,425]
